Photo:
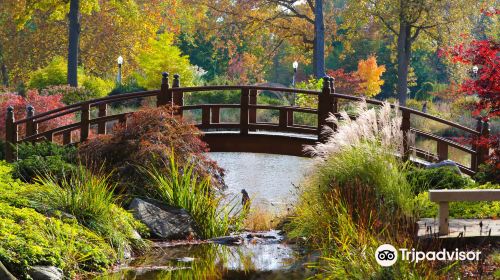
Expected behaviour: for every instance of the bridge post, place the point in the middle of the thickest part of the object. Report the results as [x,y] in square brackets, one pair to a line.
[103,111]
[405,127]
[177,96]
[164,96]
[31,126]
[475,145]
[252,112]
[335,101]
[244,111]
[324,107]
[483,150]
[10,136]
[84,122]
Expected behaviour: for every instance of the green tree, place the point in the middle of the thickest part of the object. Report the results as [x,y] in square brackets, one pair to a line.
[161,55]
[409,20]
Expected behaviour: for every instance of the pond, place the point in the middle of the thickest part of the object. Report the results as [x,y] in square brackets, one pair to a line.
[269,180]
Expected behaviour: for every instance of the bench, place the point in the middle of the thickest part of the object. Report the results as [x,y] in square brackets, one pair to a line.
[443,197]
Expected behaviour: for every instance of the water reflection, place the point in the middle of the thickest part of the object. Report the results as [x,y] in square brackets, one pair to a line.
[269,179]
[265,257]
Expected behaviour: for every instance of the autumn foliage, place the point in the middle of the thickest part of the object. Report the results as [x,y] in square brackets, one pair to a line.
[149,138]
[369,73]
[41,103]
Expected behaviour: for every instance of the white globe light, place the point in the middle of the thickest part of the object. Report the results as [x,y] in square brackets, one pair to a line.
[120,60]
[475,69]
[295,64]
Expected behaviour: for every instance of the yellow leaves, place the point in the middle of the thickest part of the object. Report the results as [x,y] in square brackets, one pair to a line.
[369,73]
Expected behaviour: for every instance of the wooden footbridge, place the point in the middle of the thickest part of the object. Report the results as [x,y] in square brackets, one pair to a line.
[248,134]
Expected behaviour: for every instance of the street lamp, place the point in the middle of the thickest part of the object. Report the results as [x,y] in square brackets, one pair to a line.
[119,76]
[475,69]
[295,65]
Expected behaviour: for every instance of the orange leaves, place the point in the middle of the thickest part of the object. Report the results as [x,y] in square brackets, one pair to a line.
[370,74]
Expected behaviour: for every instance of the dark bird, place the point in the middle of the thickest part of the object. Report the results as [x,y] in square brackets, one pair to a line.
[245,200]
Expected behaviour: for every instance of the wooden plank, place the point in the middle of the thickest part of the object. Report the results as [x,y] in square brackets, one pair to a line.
[464,195]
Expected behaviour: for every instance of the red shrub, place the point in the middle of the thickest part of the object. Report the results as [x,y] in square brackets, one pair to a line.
[41,104]
[150,136]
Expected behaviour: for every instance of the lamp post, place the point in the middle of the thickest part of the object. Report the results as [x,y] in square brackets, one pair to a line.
[295,65]
[119,76]
[475,69]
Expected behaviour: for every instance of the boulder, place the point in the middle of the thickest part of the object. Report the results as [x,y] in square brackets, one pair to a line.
[164,221]
[443,163]
[45,273]
[5,274]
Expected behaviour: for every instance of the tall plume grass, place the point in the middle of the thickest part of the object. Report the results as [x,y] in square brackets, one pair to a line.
[381,126]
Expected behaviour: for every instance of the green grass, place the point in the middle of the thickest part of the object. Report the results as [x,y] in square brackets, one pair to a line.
[182,188]
[91,200]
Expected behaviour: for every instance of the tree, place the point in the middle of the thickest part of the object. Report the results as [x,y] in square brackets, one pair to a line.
[288,20]
[409,20]
[369,73]
[73,42]
[160,55]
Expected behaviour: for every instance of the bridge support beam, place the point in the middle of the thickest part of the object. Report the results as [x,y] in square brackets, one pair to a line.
[257,143]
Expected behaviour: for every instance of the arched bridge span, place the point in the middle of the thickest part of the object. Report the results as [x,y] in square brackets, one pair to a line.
[283,135]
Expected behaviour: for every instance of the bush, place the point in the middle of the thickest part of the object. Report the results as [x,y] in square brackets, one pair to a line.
[148,139]
[359,198]
[436,178]
[462,209]
[29,238]
[43,158]
[91,200]
[180,187]
[52,79]
[41,104]
[71,95]
[487,173]
[128,87]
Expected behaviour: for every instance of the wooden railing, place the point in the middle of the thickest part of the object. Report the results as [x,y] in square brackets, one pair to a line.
[328,102]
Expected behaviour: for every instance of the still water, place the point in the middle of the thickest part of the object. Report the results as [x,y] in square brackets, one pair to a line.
[269,180]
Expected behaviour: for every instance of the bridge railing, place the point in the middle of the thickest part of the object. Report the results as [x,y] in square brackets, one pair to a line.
[328,103]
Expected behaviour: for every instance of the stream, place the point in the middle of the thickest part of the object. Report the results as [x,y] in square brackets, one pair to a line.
[270,181]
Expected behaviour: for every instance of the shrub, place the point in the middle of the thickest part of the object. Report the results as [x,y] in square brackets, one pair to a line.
[91,200]
[69,94]
[51,75]
[359,198]
[487,173]
[43,158]
[128,87]
[149,137]
[41,104]
[462,209]
[29,238]
[52,79]
[436,178]
[180,187]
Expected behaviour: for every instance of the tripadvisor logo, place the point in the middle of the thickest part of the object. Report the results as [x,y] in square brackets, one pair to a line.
[387,255]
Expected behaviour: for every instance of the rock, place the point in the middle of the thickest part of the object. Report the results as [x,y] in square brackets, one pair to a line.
[228,240]
[164,222]
[45,273]
[443,163]
[258,235]
[5,274]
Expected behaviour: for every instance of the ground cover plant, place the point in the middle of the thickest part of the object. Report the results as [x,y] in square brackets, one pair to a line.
[29,237]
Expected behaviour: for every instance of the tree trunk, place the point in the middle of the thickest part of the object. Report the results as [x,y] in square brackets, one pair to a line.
[404,54]
[5,75]
[73,42]
[319,41]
